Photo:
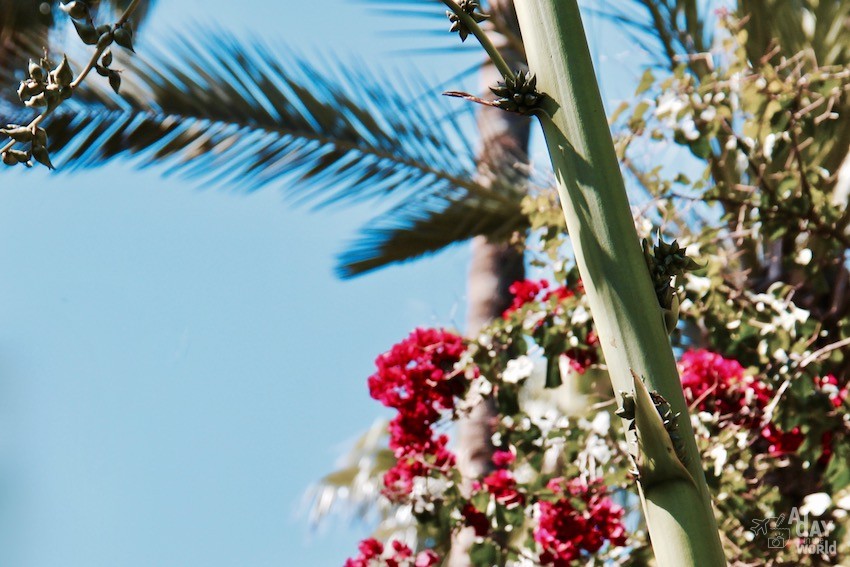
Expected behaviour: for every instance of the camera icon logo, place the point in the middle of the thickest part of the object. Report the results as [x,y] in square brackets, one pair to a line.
[777,537]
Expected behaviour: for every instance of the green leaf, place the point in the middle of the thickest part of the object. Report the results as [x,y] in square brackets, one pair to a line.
[646,81]
[484,554]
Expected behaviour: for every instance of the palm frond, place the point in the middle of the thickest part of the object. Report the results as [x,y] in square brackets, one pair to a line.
[354,488]
[797,26]
[415,229]
[675,28]
[434,13]
[222,110]
[353,492]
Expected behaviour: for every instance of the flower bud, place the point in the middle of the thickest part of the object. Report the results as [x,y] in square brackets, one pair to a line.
[106,60]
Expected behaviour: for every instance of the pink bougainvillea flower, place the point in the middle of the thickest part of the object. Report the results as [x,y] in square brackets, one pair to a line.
[565,530]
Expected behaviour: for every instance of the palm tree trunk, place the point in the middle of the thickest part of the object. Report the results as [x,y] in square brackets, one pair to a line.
[493,268]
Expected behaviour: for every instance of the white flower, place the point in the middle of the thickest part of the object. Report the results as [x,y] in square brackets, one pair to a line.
[803,257]
[719,454]
[580,316]
[601,423]
[706,417]
[816,504]
[485,340]
[669,104]
[532,319]
[483,386]
[697,284]
[518,369]
[708,114]
[644,227]
[769,144]
[780,355]
[689,129]
[741,162]
[788,319]
[808,21]
[478,388]
[598,449]
[524,474]
[844,502]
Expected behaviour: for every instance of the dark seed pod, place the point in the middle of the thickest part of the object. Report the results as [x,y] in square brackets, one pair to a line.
[106,60]
[115,81]
[40,138]
[41,155]
[518,93]
[77,10]
[18,133]
[63,75]
[18,156]
[124,37]
[29,89]
[471,8]
[86,32]
[37,100]
[105,39]
[36,72]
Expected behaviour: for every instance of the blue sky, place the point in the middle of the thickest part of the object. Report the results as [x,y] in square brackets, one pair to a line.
[178,363]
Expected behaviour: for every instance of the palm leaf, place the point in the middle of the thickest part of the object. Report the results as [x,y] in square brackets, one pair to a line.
[222,111]
[434,12]
[414,229]
[354,488]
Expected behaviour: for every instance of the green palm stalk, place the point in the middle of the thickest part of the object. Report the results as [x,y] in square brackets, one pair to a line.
[625,309]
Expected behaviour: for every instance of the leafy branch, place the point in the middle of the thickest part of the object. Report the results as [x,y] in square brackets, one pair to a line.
[49,88]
